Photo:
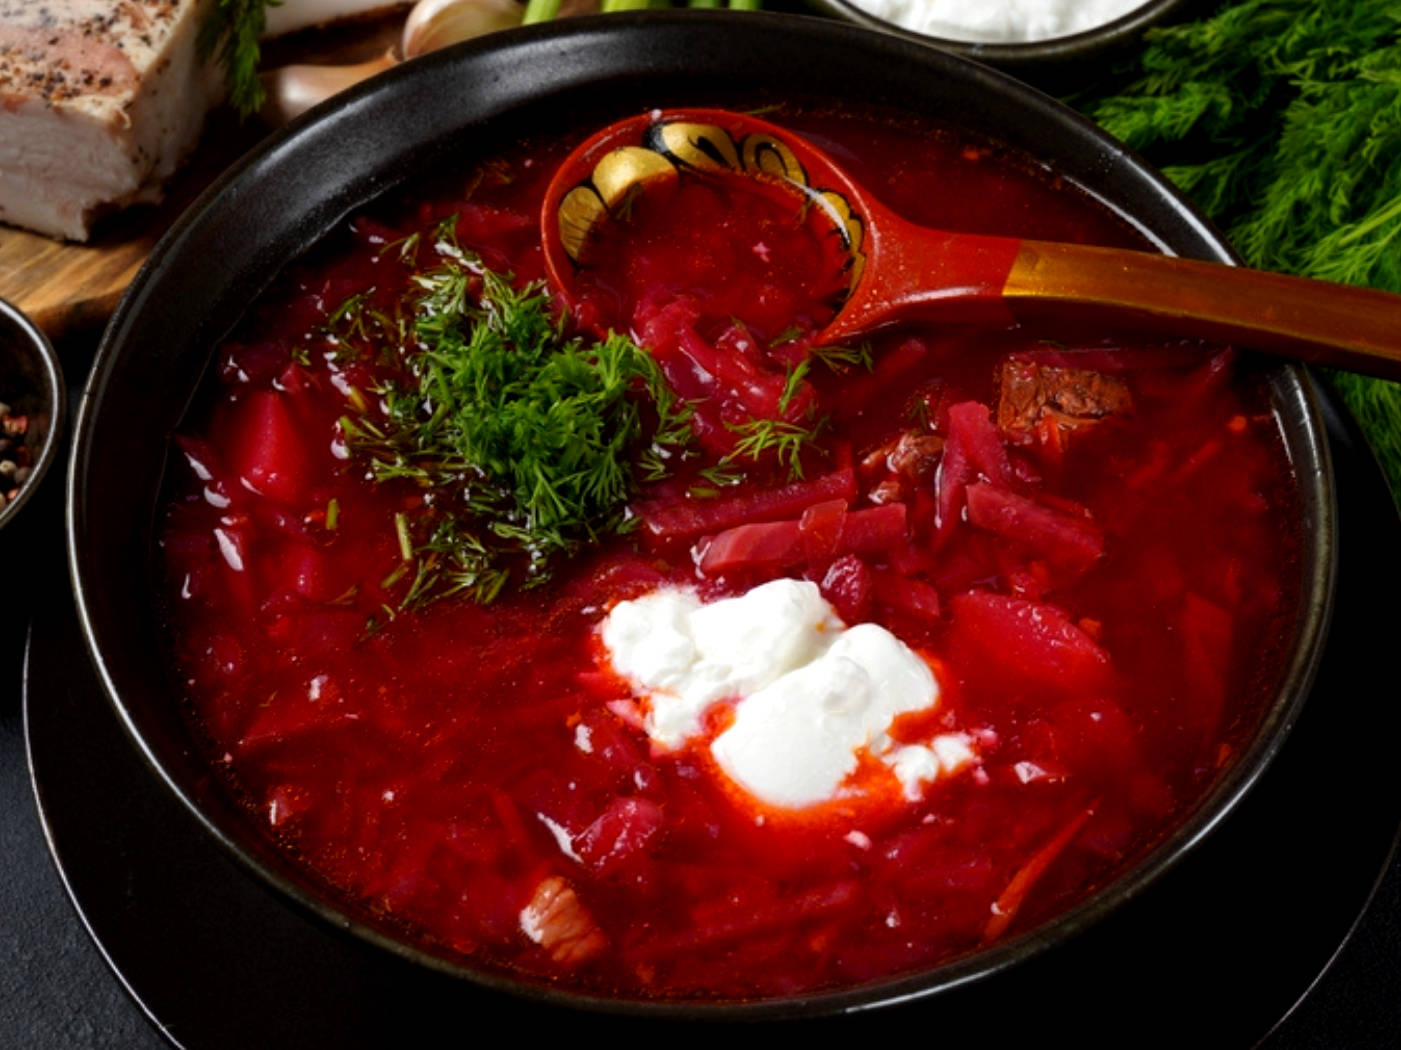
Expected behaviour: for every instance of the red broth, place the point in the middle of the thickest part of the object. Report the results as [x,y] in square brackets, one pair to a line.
[1094,545]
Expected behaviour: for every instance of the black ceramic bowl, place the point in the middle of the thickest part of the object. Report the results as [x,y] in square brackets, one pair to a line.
[31,383]
[1067,61]
[477,97]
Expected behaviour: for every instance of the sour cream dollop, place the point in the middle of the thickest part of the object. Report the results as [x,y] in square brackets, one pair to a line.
[999,21]
[810,694]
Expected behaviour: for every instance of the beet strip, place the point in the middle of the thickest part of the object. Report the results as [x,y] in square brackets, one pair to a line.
[1066,539]
[691,519]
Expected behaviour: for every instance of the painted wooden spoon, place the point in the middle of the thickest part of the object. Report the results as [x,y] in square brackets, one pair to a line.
[894,270]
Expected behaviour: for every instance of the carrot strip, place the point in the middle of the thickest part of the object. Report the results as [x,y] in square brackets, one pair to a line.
[511,822]
[1009,902]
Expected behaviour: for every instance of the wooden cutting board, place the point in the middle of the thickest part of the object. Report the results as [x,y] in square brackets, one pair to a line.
[65,288]
[71,289]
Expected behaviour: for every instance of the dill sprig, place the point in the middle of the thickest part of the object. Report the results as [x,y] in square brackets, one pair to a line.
[1281,119]
[229,34]
[528,443]
[784,441]
[842,359]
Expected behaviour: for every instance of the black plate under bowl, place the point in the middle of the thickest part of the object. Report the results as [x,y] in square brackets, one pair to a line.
[465,102]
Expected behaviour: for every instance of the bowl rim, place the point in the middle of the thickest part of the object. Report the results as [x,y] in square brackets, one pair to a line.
[1024,54]
[360,104]
[53,393]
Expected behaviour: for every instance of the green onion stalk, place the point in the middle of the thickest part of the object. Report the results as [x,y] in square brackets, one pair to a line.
[540,11]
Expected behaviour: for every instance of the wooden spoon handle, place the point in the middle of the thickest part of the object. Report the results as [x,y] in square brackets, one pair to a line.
[1357,329]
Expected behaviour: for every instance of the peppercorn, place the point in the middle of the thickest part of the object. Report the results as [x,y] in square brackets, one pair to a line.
[14,454]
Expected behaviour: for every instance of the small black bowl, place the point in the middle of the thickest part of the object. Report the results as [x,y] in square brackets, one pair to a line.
[31,384]
[468,101]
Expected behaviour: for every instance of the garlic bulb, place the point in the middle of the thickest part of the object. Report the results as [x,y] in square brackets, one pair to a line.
[433,24]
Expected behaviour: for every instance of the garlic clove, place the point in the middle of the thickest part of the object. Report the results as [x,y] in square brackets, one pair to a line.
[433,24]
[292,90]
[289,16]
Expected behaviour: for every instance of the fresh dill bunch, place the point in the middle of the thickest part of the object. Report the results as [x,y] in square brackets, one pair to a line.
[229,34]
[1281,119]
[528,442]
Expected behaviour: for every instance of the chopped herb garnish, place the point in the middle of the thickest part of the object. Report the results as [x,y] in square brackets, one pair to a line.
[529,442]
[920,413]
[786,336]
[792,384]
[347,596]
[721,476]
[407,247]
[357,325]
[401,530]
[840,359]
[783,440]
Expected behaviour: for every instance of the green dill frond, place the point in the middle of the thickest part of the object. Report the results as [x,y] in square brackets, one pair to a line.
[530,442]
[842,359]
[229,35]
[721,476]
[784,441]
[405,247]
[1281,119]
[792,384]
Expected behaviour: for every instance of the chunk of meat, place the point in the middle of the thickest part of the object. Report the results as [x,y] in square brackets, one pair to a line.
[556,920]
[916,455]
[99,103]
[913,454]
[901,463]
[1071,396]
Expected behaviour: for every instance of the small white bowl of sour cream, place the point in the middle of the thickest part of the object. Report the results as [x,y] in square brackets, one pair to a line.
[1028,37]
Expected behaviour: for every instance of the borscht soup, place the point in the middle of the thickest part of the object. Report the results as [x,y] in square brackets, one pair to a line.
[646,649]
